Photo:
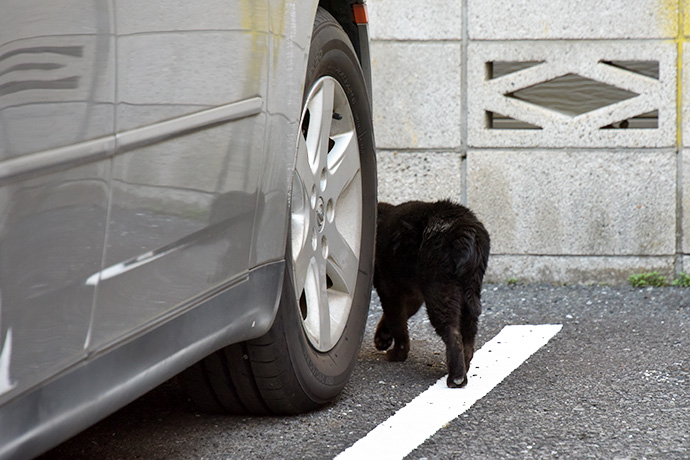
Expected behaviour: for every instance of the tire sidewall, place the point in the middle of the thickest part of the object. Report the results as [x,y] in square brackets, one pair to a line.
[322,375]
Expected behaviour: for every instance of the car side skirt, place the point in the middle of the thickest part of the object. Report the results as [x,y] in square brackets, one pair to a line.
[93,389]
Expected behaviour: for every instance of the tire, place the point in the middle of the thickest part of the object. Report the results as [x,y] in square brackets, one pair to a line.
[306,358]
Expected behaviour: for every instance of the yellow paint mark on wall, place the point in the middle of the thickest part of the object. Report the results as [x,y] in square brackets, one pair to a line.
[674,17]
[682,11]
[668,17]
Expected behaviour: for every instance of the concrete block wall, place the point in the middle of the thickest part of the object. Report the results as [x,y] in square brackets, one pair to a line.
[589,196]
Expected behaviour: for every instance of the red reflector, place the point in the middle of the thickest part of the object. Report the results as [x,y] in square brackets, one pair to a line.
[360,13]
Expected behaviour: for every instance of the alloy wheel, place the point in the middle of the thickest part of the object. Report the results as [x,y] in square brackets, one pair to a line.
[326,213]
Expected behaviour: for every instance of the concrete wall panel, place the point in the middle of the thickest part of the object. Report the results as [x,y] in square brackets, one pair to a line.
[424,176]
[584,19]
[571,191]
[416,91]
[398,20]
[575,202]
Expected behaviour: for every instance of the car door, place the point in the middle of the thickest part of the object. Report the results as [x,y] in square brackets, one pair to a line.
[191,83]
[56,133]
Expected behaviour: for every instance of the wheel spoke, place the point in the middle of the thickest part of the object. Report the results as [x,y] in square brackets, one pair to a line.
[325,340]
[343,164]
[312,321]
[318,320]
[343,263]
[305,168]
[301,221]
[320,121]
[302,262]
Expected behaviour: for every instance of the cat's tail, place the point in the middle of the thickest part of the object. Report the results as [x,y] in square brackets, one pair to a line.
[470,251]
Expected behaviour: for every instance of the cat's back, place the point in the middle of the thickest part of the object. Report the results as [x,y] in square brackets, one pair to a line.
[454,240]
[400,230]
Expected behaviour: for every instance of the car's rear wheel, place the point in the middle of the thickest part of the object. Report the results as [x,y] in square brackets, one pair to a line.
[305,359]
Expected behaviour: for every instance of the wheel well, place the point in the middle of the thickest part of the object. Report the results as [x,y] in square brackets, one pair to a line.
[341,10]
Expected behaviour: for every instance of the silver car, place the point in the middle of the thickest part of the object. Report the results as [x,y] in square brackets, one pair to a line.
[185,187]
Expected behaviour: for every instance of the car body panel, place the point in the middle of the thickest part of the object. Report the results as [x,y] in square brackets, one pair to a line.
[289,47]
[57,74]
[146,151]
[57,95]
[181,206]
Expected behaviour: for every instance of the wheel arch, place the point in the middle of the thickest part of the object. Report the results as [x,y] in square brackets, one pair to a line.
[282,372]
[342,11]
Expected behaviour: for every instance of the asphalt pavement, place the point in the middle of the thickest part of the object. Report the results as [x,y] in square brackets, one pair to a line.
[614,383]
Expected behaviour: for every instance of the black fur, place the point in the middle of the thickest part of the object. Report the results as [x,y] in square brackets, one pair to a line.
[434,253]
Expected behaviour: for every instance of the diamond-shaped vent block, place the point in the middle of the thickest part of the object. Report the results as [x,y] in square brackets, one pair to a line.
[495,120]
[572,94]
[495,69]
[646,68]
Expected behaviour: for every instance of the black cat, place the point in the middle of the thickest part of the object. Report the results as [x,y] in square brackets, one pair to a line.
[434,253]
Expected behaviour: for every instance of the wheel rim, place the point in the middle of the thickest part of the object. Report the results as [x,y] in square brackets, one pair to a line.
[326,214]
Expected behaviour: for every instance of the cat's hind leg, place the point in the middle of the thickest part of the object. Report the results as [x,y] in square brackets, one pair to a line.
[392,328]
[444,306]
[469,321]
[383,339]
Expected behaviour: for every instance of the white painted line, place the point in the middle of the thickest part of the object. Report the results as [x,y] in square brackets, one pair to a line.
[431,410]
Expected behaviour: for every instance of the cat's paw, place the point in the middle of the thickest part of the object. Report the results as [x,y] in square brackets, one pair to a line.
[396,354]
[457,381]
[382,340]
